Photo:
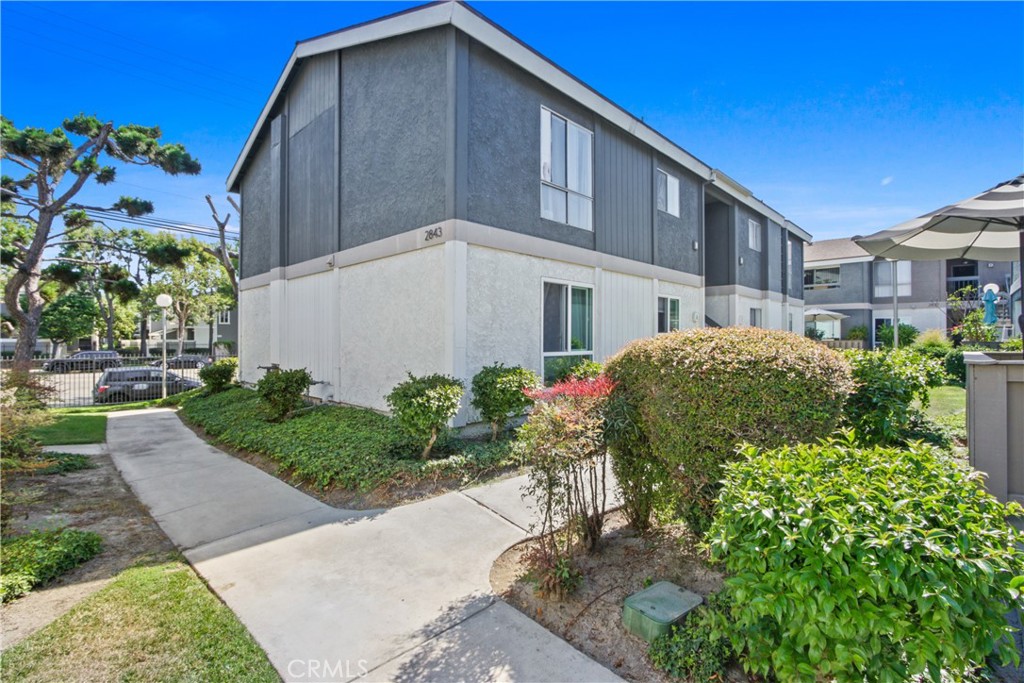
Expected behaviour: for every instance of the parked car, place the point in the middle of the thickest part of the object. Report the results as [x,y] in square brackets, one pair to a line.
[185,360]
[84,360]
[121,385]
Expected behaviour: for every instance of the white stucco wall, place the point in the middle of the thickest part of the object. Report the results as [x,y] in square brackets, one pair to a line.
[391,322]
[309,330]
[253,332]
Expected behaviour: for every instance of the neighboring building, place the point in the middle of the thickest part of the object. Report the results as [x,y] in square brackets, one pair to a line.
[197,336]
[424,193]
[842,277]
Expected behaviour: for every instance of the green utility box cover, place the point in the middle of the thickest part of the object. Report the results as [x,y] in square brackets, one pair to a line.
[651,612]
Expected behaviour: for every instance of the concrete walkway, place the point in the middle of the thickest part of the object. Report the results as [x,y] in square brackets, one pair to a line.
[400,594]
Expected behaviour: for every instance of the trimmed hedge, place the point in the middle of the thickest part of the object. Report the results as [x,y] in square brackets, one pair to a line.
[282,391]
[498,392]
[219,375]
[697,394]
[424,405]
[855,565]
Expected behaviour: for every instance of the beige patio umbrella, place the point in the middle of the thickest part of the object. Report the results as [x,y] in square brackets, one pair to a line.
[820,315]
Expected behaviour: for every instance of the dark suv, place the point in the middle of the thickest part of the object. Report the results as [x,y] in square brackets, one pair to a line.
[84,360]
[122,385]
[186,360]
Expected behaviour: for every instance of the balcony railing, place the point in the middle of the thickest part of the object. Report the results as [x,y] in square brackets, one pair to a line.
[954,284]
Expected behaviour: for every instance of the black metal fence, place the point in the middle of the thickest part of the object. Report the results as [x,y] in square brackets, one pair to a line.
[106,381]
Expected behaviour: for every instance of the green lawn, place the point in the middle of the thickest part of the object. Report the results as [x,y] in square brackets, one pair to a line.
[73,429]
[154,623]
[946,401]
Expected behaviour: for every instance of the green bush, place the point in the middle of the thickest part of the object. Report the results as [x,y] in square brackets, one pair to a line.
[697,394]
[498,392]
[857,333]
[337,446]
[40,556]
[908,334]
[855,565]
[880,409]
[424,405]
[693,651]
[219,375]
[974,329]
[282,391]
[561,368]
[955,367]
[586,369]
[1014,344]
[812,332]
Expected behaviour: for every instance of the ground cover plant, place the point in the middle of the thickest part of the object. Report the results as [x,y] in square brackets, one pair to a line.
[69,429]
[499,393]
[693,651]
[152,623]
[336,446]
[423,406]
[854,564]
[32,559]
[695,395]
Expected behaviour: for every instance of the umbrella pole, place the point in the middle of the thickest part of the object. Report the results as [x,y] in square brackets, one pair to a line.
[895,309]
[1020,273]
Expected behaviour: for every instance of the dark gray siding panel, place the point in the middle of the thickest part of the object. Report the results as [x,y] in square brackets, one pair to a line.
[393,138]
[313,91]
[750,273]
[312,216]
[624,196]
[255,220]
[774,258]
[796,271]
[718,244]
[503,164]
[674,237]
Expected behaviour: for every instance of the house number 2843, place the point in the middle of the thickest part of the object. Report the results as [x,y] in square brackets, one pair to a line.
[432,234]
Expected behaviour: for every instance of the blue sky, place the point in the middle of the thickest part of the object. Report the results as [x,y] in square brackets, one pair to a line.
[845,117]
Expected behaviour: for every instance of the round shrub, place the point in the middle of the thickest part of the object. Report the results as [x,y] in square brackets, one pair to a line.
[498,392]
[281,391]
[855,565]
[219,375]
[698,393]
[908,334]
[424,405]
[880,409]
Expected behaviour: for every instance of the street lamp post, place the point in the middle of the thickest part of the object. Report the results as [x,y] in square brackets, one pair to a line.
[163,301]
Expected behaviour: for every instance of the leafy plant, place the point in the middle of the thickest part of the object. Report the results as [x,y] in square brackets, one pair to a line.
[1014,344]
[857,333]
[586,369]
[219,375]
[908,334]
[498,392]
[643,482]
[696,394]
[282,391]
[812,332]
[693,651]
[880,408]
[424,405]
[22,411]
[855,565]
[974,329]
[40,556]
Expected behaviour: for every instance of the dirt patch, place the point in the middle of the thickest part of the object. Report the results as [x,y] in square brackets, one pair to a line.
[591,620]
[394,494]
[92,500]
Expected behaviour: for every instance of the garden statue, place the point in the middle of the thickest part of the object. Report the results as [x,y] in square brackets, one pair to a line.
[990,298]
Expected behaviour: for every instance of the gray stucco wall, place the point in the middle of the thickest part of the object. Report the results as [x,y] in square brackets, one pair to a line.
[854,287]
[312,190]
[255,219]
[796,271]
[674,237]
[750,274]
[503,161]
[393,141]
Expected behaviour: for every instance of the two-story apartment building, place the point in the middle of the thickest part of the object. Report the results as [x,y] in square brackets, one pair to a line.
[425,193]
[842,277]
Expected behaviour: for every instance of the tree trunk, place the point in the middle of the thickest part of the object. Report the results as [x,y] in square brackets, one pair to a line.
[144,334]
[430,444]
[109,317]
[210,350]
[26,279]
[181,315]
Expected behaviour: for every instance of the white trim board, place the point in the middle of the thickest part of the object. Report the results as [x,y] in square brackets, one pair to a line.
[505,44]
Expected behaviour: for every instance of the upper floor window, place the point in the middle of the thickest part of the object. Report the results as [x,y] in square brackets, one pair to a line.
[668,193]
[566,171]
[754,234]
[224,318]
[821,278]
[883,279]
[668,314]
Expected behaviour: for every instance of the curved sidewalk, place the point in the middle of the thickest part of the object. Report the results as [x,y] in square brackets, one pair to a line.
[398,594]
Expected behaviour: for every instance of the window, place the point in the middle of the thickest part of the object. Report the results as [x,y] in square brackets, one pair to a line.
[566,171]
[568,327]
[224,318]
[668,193]
[754,234]
[668,314]
[883,279]
[821,278]
[755,317]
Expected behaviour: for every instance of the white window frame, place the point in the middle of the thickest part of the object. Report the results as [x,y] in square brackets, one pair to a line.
[671,193]
[669,300]
[581,194]
[904,282]
[224,317]
[754,234]
[816,286]
[569,286]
